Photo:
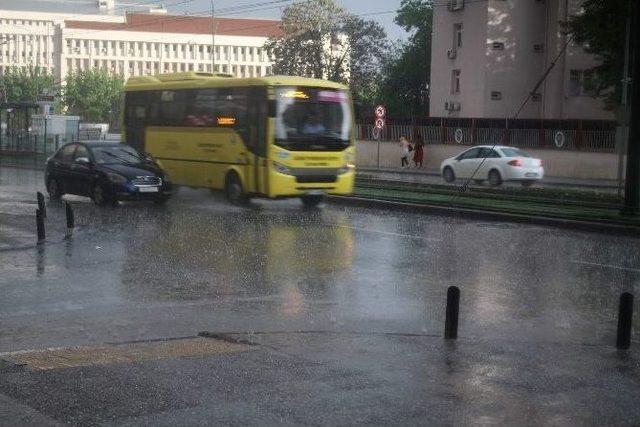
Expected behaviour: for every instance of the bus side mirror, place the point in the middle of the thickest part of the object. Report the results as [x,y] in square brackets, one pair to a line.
[271,108]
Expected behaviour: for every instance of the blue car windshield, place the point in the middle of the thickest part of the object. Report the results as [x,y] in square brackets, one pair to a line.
[116,155]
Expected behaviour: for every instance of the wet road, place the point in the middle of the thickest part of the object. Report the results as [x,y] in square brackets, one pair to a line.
[346,306]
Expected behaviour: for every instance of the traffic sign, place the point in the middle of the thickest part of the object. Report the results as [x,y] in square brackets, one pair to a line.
[558,139]
[379,123]
[381,112]
[459,135]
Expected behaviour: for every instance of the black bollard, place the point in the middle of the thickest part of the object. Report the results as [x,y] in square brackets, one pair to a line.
[453,309]
[625,316]
[40,225]
[70,217]
[41,204]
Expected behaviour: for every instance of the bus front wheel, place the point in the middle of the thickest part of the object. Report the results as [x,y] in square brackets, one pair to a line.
[233,189]
[311,201]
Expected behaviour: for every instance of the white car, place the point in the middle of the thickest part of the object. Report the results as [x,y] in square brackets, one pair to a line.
[495,164]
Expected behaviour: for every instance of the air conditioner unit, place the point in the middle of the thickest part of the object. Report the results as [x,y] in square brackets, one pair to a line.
[454,106]
[76,50]
[455,5]
[452,53]
[446,106]
[104,51]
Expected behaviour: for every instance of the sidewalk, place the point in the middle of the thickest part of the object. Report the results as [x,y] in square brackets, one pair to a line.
[432,176]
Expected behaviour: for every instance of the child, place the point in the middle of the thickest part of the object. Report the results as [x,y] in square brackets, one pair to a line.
[404,151]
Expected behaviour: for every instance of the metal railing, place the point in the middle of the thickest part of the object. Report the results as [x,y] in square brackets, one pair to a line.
[563,139]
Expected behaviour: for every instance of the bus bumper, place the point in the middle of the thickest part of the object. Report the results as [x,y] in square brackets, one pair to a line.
[289,186]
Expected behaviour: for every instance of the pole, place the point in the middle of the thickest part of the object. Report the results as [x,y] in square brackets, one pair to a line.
[213,39]
[41,205]
[40,226]
[632,184]
[70,218]
[623,136]
[452,311]
[625,320]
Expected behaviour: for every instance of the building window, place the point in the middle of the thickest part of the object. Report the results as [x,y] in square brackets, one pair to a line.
[454,5]
[582,83]
[497,46]
[455,81]
[457,36]
[496,95]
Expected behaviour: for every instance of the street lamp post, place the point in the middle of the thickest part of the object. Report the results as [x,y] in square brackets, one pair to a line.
[632,184]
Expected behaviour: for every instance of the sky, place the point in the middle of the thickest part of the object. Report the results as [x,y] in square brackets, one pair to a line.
[382,11]
[369,9]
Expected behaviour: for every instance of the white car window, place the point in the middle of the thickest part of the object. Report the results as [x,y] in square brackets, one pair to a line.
[514,152]
[470,154]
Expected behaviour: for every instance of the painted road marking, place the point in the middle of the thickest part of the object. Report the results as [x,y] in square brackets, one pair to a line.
[71,357]
[386,233]
[615,267]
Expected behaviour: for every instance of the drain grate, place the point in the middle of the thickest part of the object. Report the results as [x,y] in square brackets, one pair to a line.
[72,357]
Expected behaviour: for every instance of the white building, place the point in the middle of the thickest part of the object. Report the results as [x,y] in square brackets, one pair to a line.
[132,43]
[487,56]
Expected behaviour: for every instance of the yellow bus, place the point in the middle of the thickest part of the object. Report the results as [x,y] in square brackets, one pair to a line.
[273,137]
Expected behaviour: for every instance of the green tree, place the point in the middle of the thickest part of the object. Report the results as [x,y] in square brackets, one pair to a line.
[95,95]
[368,48]
[406,71]
[322,40]
[601,31]
[24,84]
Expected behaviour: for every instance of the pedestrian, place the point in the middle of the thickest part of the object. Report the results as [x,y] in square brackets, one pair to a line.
[404,151]
[418,152]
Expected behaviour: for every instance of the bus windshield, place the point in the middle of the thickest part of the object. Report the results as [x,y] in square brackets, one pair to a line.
[313,118]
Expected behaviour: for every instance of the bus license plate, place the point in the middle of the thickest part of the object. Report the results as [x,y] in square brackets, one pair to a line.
[148,189]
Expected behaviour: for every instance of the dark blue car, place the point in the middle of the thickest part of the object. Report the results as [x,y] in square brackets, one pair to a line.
[106,172]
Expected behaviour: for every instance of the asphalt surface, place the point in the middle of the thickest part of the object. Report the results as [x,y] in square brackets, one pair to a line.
[343,308]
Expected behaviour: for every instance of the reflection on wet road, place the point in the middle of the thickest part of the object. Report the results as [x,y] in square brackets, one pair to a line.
[274,265]
[347,304]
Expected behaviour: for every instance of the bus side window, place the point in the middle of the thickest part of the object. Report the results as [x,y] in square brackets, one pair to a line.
[153,108]
[173,107]
[202,111]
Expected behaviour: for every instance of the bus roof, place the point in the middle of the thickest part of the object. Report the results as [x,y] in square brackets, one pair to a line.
[193,79]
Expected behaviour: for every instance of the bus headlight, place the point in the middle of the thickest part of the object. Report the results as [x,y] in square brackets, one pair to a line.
[346,168]
[348,158]
[281,169]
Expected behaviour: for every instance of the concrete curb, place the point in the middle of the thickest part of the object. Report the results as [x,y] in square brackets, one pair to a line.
[487,215]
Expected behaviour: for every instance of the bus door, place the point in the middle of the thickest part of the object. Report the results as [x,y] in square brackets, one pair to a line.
[257,140]
[136,120]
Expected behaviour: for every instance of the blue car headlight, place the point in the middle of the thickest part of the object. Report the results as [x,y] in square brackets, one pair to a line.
[116,178]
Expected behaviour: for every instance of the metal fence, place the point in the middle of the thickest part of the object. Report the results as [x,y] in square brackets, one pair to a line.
[594,138]
[29,143]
